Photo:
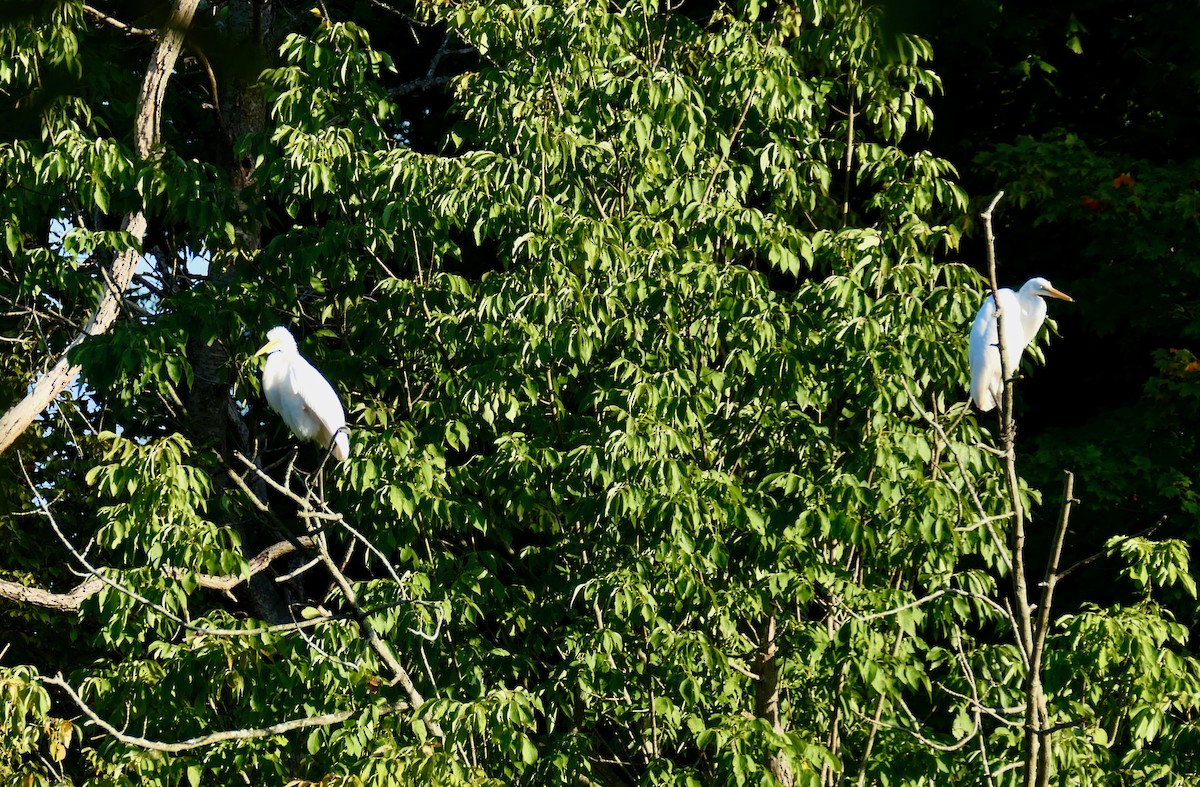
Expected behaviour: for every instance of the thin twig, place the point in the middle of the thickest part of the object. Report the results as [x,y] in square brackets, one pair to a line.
[737,129]
[916,733]
[962,469]
[117,23]
[1110,549]
[307,511]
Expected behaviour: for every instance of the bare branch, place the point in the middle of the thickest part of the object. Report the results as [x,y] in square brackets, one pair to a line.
[308,512]
[1052,575]
[849,165]
[1036,755]
[995,713]
[70,601]
[324,720]
[1004,613]
[1043,622]
[102,580]
[377,643]
[914,732]
[1012,766]
[117,23]
[83,561]
[258,563]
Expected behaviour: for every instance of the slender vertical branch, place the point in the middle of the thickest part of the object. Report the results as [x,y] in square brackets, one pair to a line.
[876,721]
[1008,433]
[849,165]
[1036,760]
[829,776]
[650,745]
[1043,623]
[976,706]
[1052,575]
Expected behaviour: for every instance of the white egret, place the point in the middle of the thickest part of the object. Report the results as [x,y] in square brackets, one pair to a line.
[299,393]
[1022,316]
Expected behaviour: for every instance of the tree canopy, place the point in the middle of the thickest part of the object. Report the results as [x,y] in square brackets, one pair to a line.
[650,321]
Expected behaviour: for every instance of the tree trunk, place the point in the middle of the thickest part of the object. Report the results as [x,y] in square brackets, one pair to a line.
[247,37]
[766,698]
[147,131]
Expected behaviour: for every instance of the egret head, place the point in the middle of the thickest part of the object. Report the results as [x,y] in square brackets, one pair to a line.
[278,338]
[1043,288]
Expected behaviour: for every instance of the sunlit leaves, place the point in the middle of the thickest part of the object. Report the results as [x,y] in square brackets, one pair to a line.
[641,366]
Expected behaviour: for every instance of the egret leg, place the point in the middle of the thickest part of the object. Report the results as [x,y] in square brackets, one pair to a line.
[324,461]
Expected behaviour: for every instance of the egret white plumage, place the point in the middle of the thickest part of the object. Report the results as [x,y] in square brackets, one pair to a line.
[302,395]
[1022,316]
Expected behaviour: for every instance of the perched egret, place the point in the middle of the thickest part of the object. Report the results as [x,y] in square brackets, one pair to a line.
[1022,316]
[299,393]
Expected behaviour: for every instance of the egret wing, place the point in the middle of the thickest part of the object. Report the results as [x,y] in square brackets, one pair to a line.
[285,394]
[984,356]
[318,396]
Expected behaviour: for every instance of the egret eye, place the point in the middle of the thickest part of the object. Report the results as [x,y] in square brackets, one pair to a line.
[301,395]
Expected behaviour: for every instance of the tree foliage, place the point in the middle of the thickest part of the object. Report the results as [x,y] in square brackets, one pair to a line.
[655,364]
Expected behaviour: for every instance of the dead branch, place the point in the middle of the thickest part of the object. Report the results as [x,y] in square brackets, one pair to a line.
[308,511]
[916,733]
[1037,761]
[1042,626]
[1109,549]
[324,720]
[938,594]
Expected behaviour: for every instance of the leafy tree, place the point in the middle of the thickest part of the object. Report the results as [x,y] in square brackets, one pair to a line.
[660,468]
